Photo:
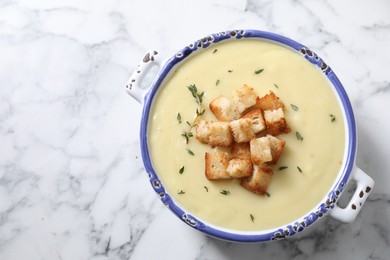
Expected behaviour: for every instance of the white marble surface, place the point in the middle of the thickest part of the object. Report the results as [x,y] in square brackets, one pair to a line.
[72,183]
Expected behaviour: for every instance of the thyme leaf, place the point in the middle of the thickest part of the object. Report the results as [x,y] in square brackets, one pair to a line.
[332,118]
[281,168]
[259,71]
[252,217]
[294,107]
[225,192]
[299,136]
[217,82]
[190,152]
[181,192]
[181,170]
[267,194]
[276,86]
[299,169]
[207,189]
[178,117]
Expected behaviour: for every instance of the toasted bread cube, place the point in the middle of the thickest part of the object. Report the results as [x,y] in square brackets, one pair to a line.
[220,134]
[241,150]
[244,98]
[239,168]
[260,179]
[269,102]
[223,109]
[216,165]
[258,123]
[277,146]
[242,130]
[276,122]
[260,150]
[203,131]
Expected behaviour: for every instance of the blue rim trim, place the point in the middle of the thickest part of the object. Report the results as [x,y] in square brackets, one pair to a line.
[274,234]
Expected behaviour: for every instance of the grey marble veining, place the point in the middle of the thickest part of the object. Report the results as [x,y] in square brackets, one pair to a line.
[72,182]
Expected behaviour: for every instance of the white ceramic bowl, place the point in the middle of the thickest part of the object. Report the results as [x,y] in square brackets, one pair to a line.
[327,206]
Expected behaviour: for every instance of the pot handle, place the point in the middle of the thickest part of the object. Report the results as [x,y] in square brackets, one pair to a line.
[133,86]
[364,185]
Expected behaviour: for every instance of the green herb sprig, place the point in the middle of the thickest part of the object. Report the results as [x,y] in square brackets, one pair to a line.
[299,136]
[225,192]
[259,71]
[187,134]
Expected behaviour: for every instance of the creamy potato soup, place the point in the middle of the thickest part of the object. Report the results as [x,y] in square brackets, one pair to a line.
[311,109]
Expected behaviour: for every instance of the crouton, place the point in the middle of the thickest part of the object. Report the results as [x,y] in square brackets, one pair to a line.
[258,123]
[223,109]
[269,102]
[260,179]
[244,98]
[239,168]
[276,122]
[216,165]
[203,131]
[220,134]
[242,130]
[277,146]
[260,150]
[241,150]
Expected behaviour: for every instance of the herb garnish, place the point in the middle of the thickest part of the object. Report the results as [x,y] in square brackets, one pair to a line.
[294,107]
[178,117]
[207,189]
[190,152]
[187,135]
[252,217]
[199,111]
[281,168]
[230,71]
[217,82]
[267,194]
[181,170]
[215,50]
[276,86]
[299,169]
[332,118]
[181,192]
[259,71]
[299,136]
[225,192]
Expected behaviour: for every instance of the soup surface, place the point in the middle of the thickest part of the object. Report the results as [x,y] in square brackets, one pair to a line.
[312,110]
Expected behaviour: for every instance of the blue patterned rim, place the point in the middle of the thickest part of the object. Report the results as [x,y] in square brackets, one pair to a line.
[297,226]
